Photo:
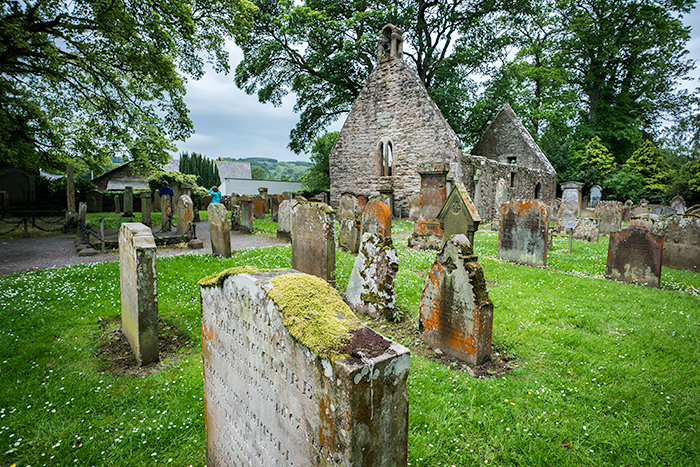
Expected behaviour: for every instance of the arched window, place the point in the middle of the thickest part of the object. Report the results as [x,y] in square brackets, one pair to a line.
[386,159]
[512,179]
[538,190]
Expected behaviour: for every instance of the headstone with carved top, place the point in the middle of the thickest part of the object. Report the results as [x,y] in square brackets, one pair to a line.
[459,215]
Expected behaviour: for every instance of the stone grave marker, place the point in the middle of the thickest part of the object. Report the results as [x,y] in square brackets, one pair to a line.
[348,224]
[277,394]
[376,219]
[146,207]
[128,201]
[682,242]
[185,215]
[570,207]
[117,204]
[262,191]
[219,230]
[456,313]
[595,196]
[610,215]
[588,229]
[287,195]
[639,210]
[166,212]
[427,234]
[348,207]
[459,215]
[678,204]
[274,202]
[226,201]
[634,256]
[284,219]
[82,212]
[204,202]
[500,198]
[72,215]
[643,202]
[695,209]
[313,239]
[523,234]
[644,221]
[387,192]
[95,201]
[414,207]
[626,209]
[663,210]
[235,218]
[139,290]
[246,218]
[259,207]
[371,288]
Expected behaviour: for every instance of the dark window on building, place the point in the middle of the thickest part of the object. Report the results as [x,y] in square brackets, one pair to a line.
[386,159]
[538,190]
[512,179]
[513,160]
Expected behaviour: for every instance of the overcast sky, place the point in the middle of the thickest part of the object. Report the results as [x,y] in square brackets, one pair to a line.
[230,123]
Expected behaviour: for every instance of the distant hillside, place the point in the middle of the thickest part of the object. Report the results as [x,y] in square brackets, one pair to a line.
[275,170]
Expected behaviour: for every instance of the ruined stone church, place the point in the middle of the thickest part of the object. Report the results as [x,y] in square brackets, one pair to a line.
[394,125]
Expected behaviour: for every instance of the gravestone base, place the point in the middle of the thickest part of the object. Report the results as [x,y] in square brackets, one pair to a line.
[195,244]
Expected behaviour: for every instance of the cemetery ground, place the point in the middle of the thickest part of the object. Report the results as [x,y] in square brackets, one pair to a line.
[599,372]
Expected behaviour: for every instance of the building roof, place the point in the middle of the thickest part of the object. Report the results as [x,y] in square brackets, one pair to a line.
[229,169]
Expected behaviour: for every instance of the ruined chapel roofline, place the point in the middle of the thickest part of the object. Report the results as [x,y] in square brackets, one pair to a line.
[390,44]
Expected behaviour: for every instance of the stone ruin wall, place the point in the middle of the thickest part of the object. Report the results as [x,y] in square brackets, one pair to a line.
[393,106]
[491,171]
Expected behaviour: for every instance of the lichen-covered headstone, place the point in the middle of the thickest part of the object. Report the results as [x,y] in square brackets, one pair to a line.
[185,215]
[166,213]
[427,234]
[219,230]
[682,242]
[587,229]
[284,219]
[371,288]
[292,378]
[524,231]
[262,191]
[639,210]
[634,256]
[570,207]
[313,239]
[376,219]
[678,204]
[500,198]
[259,205]
[246,218]
[610,215]
[626,209]
[139,290]
[456,313]
[644,221]
[459,215]
[348,207]
[128,201]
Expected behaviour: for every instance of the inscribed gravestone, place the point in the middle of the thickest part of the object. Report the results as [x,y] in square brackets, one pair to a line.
[587,229]
[246,218]
[376,219]
[678,204]
[644,221]
[348,225]
[456,314]
[596,196]
[146,208]
[313,240]
[570,207]
[128,201]
[185,215]
[219,230]
[427,233]
[274,396]
[634,256]
[94,201]
[371,288]
[258,207]
[610,215]
[523,234]
[500,198]
[166,213]
[204,201]
[459,215]
[139,291]
[284,220]
[682,242]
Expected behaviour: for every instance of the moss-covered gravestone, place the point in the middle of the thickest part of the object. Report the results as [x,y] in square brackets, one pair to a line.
[139,290]
[219,230]
[682,242]
[291,377]
[456,314]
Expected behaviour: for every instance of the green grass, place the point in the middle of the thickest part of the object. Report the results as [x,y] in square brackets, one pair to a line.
[605,373]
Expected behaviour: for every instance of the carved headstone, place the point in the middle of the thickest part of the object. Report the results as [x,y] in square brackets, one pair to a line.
[682,242]
[459,215]
[246,218]
[313,240]
[678,204]
[219,230]
[500,198]
[226,201]
[456,314]
[610,215]
[128,201]
[146,208]
[166,214]
[139,290]
[644,221]
[626,209]
[277,394]
[634,256]
[570,207]
[587,229]
[663,210]
[95,201]
[348,208]
[284,220]
[185,215]
[523,235]
[376,219]
[371,288]
[427,233]
[259,205]
[596,196]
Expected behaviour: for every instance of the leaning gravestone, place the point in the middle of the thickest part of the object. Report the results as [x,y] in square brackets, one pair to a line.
[185,215]
[634,256]
[371,288]
[139,291]
[246,218]
[459,215]
[376,219]
[292,378]
[682,242]
[678,204]
[128,201]
[524,231]
[610,215]
[500,198]
[284,219]
[219,230]
[313,240]
[456,314]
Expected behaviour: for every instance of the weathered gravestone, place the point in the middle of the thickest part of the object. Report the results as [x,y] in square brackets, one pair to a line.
[259,205]
[286,195]
[456,314]
[128,201]
[693,209]
[204,202]
[82,212]
[587,229]
[313,239]
[139,290]
[523,234]
[387,193]
[146,208]
[595,197]
[610,215]
[376,219]
[626,209]
[682,242]
[278,390]
[274,202]
[634,256]
[226,201]
[166,214]
[500,198]
[644,221]
[262,191]
[219,230]
[95,201]
[570,207]
[459,215]
[371,288]
[678,204]
[185,215]
[284,219]
[639,210]
[235,218]
[414,207]
[246,218]
[663,210]
[427,234]
[348,224]
[117,204]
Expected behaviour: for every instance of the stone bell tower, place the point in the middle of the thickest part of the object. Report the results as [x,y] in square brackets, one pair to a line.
[390,44]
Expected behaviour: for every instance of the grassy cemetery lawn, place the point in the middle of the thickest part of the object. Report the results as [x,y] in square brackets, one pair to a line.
[600,373]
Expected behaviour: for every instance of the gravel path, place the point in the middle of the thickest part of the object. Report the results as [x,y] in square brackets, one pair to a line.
[25,254]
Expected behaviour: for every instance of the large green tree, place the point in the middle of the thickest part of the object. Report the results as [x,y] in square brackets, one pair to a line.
[318,178]
[83,80]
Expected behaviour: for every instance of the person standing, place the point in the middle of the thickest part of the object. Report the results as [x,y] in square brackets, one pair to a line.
[215,194]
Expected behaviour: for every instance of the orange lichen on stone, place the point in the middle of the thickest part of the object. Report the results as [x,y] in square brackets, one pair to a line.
[376,219]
